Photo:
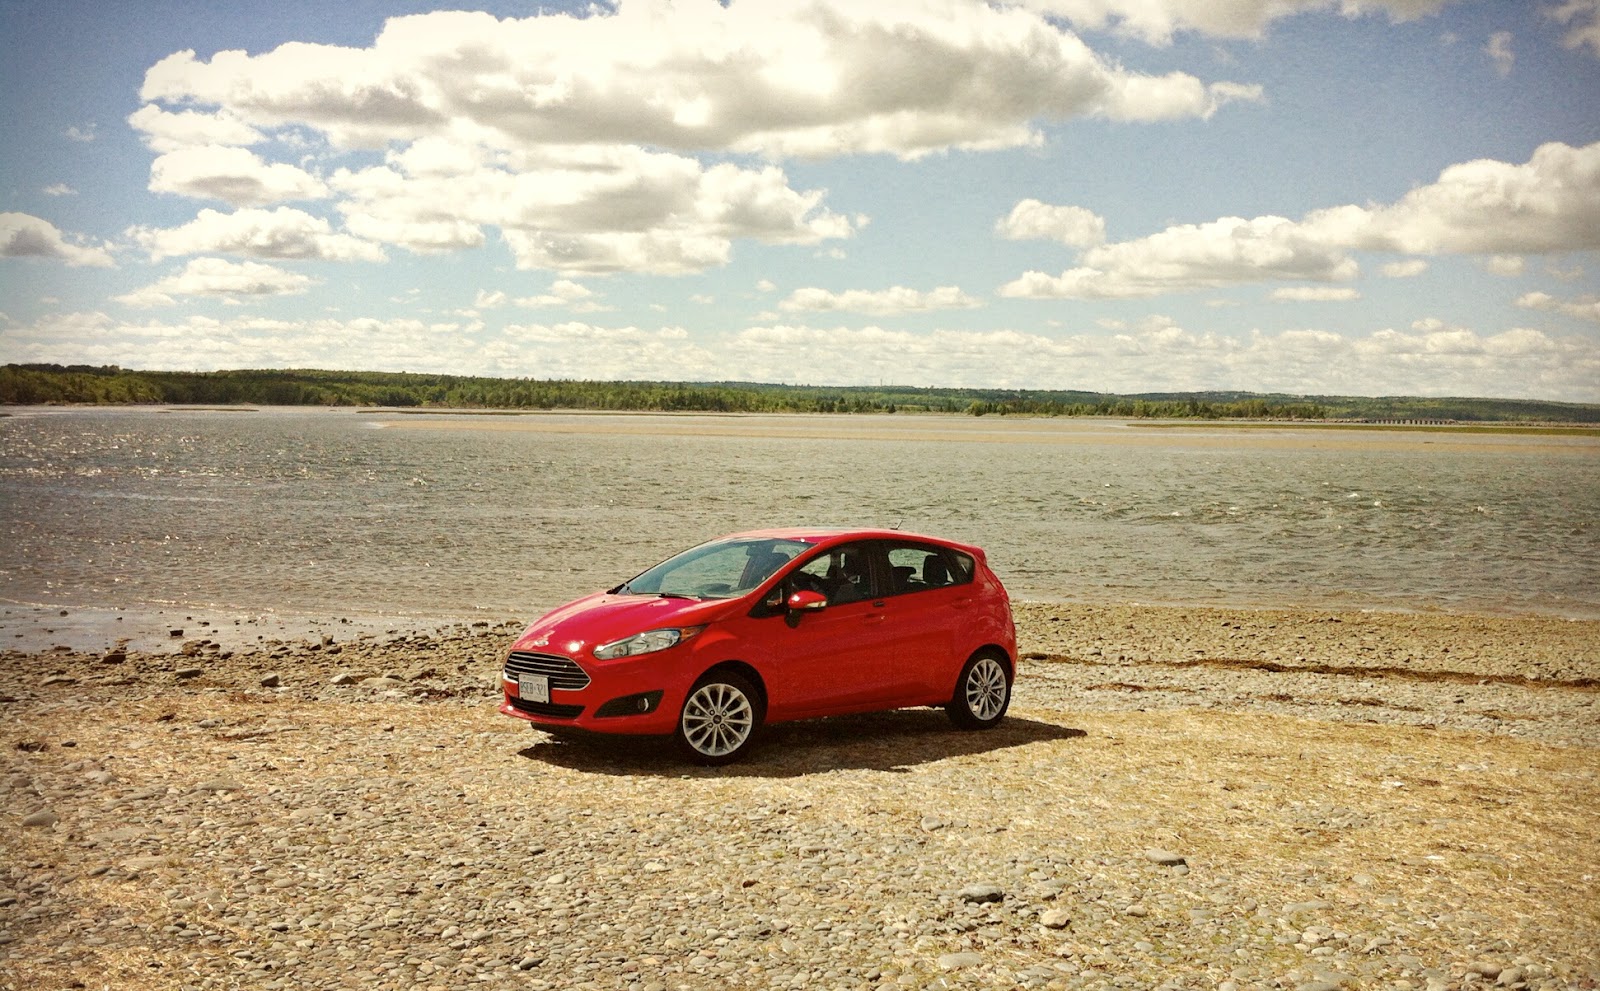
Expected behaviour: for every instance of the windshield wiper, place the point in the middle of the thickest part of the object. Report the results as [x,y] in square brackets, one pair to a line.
[676,595]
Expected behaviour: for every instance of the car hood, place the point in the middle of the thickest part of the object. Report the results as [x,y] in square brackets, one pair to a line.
[603,617]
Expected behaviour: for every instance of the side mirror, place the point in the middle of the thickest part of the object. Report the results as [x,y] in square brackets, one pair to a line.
[807,601]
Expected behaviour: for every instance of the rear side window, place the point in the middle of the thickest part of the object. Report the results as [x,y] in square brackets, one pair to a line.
[918,567]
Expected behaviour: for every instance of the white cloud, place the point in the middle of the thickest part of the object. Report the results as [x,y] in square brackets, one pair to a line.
[236,176]
[218,277]
[84,134]
[1550,204]
[59,189]
[883,302]
[284,233]
[565,292]
[1587,308]
[1507,266]
[1157,21]
[1582,20]
[1071,225]
[780,77]
[1226,252]
[1315,294]
[1405,269]
[1499,51]
[23,235]
[1433,360]
[489,300]
[165,131]
[583,210]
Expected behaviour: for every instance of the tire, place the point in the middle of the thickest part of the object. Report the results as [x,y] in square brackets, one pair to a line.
[983,692]
[719,719]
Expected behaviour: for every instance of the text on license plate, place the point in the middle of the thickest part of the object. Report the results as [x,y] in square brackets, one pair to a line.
[533,687]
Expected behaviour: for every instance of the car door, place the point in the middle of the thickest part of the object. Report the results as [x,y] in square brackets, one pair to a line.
[837,658]
[930,598]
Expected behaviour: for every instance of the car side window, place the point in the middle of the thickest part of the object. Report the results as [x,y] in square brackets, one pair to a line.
[843,574]
[918,567]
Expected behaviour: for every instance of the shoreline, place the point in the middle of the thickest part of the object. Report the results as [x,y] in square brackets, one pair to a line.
[1292,799]
[38,628]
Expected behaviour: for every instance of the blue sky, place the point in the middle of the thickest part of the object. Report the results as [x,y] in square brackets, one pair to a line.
[1369,197]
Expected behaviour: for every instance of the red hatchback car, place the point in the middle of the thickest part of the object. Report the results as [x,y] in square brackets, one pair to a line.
[769,626]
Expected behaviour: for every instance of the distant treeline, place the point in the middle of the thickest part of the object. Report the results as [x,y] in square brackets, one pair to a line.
[41,384]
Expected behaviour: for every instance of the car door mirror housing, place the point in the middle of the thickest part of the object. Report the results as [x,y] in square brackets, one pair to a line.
[807,600]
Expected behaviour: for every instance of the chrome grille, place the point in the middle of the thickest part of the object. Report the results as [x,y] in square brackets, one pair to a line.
[563,672]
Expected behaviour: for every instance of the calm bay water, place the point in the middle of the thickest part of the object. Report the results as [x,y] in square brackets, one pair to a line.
[365,513]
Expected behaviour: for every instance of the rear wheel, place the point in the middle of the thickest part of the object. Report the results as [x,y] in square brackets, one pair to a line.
[983,692]
[719,719]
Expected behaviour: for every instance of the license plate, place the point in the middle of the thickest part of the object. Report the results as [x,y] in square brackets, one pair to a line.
[533,687]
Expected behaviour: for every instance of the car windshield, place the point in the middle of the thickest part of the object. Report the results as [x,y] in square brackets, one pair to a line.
[722,569]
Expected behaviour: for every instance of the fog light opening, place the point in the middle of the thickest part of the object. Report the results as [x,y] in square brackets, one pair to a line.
[631,705]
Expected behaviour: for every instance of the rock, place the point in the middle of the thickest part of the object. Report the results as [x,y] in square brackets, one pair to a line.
[346,678]
[186,673]
[959,961]
[1055,918]
[271,680]
[58,679]
[219,784]
[114,657]
[381,682]
[981,894]
[40,819]
[1166,858]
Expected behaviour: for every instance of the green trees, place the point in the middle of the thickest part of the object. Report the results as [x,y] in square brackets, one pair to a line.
[41,384]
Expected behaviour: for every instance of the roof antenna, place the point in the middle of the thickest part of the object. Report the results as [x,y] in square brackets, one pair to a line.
[897,523]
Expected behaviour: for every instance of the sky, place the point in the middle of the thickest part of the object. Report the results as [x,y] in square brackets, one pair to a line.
[1312,197]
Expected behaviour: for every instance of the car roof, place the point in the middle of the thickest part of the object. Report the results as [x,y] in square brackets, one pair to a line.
[831,535]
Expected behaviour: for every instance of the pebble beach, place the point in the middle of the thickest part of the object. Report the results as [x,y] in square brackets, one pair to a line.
[1179,798]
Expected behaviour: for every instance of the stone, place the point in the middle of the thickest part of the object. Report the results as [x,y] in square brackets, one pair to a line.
[219,784]
[114,657]
[959,961]
[271,680]
[981,893]
[1165,858]
[1055,918]
[186,673]
[41,818]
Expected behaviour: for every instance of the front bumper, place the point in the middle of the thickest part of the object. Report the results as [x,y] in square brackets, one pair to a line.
[623,698]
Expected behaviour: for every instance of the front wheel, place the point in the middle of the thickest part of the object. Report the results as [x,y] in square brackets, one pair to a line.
[719,719]
[983,692]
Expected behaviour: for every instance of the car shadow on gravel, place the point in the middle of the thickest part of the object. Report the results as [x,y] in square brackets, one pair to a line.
[879,741]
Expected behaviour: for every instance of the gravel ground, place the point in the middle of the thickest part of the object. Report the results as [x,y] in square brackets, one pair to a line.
[1179,799]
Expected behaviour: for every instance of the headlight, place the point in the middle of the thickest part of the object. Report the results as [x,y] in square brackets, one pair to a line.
[647,642]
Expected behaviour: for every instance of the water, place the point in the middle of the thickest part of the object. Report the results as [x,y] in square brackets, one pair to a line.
[376,514]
